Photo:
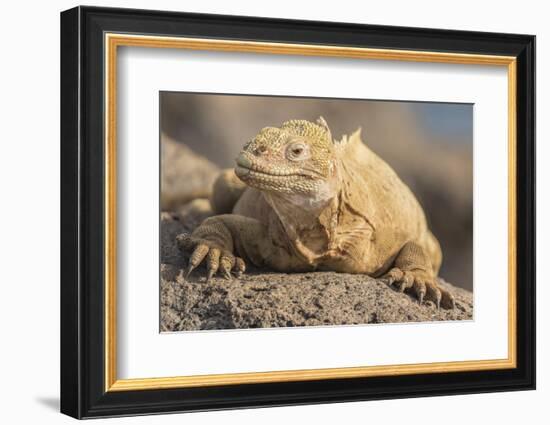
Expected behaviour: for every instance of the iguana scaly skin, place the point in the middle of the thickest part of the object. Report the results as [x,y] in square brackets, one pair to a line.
[298,201]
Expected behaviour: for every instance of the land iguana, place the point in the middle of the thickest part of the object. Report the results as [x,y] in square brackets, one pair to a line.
[300,201]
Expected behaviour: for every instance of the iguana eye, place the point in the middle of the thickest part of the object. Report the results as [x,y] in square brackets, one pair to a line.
[297,151]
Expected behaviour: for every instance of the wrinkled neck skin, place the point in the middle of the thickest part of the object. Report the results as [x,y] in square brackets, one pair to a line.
[309,220]
[312,205]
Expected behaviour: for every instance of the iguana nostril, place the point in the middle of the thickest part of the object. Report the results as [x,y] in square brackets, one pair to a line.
[243,161]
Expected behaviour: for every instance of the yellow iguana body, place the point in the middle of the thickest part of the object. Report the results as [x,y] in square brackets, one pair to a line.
[299,201]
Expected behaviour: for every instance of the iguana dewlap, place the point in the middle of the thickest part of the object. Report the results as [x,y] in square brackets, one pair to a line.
[298,201]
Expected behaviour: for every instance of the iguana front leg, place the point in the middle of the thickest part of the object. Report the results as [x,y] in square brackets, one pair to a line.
[412,268]
[226,241]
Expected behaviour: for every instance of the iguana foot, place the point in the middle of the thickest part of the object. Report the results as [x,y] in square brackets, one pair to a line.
[422,284]
[218,259]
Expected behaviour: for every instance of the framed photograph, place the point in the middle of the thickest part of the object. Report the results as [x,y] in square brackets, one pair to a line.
[261,212]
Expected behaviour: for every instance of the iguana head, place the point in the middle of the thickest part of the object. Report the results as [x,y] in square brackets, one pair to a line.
[294,159]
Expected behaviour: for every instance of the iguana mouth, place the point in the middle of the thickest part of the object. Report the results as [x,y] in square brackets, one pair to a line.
[246,168]
[241,171]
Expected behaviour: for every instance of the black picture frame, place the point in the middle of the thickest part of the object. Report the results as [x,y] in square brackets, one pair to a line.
[83,392]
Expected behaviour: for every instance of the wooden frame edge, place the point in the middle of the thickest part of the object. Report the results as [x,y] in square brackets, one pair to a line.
[306,375]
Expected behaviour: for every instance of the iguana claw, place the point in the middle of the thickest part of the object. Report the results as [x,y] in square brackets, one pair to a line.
[211,273]
[190,268]
[420,298]
[216,258]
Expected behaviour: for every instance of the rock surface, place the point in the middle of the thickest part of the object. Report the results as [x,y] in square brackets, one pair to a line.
[185,175]
[265,299]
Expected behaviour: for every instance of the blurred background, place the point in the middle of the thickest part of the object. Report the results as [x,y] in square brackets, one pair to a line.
[429,145]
